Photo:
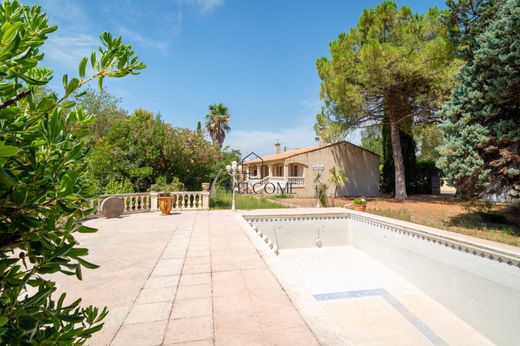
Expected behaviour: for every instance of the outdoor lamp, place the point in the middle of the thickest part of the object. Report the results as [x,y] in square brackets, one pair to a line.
[234,171]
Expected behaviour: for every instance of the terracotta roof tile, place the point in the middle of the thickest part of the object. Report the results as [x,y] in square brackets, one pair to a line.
[290,153]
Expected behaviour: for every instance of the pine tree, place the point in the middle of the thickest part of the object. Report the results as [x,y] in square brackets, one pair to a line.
[480,153]
[395,65]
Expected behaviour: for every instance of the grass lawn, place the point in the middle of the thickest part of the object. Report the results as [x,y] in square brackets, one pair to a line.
[222,200]
[442,212]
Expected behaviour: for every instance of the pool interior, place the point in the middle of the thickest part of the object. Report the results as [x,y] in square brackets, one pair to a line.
[371,303]
[363,283]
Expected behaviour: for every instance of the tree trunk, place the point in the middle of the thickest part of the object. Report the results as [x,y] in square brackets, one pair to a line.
[397,153]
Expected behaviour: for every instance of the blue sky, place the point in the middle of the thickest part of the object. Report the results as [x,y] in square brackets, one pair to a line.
[257,57]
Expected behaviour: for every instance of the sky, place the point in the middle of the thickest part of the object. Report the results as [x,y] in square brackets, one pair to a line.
[256,56]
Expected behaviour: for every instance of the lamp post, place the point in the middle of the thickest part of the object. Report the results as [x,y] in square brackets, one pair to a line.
[318,168]
[234,171]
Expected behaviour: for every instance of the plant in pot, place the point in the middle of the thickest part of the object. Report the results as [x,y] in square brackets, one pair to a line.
[360,204]
[166,201]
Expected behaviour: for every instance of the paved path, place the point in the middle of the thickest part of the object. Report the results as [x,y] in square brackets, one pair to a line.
[187,279]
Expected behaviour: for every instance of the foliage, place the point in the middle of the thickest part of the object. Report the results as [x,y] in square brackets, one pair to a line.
[105,108]
[119,186]
[227,155]
[429,139]
[42,197]
[142,148]
[467,20]
[217,122]
[422,182]
[337,179]
[481,150]
[408,148]
[359,201]
[192,158]
[395,65]
[162,185]
[371,139]
[199,129]
[320,190]
[327,129]
[222,200]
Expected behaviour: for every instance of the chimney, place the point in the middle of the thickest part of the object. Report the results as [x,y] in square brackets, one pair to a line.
[277,148]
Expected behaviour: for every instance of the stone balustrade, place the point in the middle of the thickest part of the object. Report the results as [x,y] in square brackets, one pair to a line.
[143,202]
[297,181]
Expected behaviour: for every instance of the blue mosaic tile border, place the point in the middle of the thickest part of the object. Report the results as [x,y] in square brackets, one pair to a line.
[452,244]
[381,292]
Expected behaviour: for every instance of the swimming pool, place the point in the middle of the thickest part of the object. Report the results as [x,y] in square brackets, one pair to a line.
[379,280]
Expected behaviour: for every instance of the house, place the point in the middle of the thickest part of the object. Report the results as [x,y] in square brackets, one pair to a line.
[361,167]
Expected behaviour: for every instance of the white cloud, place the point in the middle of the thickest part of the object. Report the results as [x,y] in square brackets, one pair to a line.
[204,7]
[67,48]
[161,38]
[262,142]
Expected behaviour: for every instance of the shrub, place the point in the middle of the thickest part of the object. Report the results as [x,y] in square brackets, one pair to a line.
[424,171]
[359,201]
[42,192]
[119,186]
[162,185]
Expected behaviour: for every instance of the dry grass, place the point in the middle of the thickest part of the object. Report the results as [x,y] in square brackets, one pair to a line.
[442,212]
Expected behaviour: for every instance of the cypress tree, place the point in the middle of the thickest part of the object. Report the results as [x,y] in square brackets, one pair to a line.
[409,147]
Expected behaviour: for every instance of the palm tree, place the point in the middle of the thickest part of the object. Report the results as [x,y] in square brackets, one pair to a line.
[337,178]
[217,122]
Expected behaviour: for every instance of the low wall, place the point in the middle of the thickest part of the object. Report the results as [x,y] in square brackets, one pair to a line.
[144,202]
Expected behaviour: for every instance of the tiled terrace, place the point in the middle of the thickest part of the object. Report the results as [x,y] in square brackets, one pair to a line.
[184,279]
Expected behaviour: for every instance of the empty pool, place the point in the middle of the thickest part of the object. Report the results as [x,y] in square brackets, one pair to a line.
[382,281]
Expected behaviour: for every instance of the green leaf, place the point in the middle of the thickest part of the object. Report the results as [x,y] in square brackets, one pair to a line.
[72,86]
[22,55]
[85,229]
[9,33]
[8,150]
[30,80]
[87,264]
[93,59]
[3,321]
[82,67]
[79,275]
[68,104]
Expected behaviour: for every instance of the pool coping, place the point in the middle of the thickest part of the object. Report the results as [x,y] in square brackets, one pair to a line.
[503,253]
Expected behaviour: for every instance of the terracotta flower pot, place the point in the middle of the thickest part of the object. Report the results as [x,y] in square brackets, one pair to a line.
[360,207]
[165,204]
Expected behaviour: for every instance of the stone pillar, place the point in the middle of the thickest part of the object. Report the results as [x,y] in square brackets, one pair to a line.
[153,202]
[270,170]
[205,200]
[285,173]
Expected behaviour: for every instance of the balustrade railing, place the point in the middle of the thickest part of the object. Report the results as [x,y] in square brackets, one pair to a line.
[297,181]
[143,202]
[188,200]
